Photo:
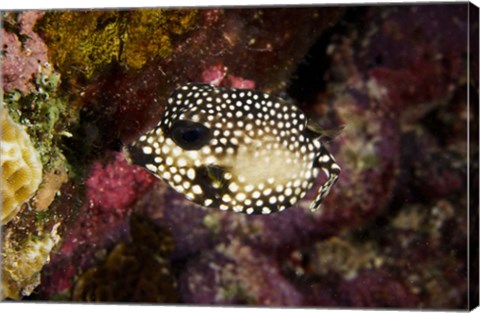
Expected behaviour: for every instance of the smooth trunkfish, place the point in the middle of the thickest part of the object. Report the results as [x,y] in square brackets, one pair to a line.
[236,150]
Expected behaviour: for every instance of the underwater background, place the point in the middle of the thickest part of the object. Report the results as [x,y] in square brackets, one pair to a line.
[79,223]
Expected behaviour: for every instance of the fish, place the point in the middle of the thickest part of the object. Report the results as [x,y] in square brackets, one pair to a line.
[237,150]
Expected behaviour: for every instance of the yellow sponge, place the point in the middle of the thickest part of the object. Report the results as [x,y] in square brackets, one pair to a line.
[21,167]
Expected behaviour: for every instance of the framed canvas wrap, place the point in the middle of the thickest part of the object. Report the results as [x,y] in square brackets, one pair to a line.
[268,156]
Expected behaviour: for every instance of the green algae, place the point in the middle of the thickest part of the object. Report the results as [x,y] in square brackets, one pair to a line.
[85,42]
[213,223]
[45,114]
[238,293]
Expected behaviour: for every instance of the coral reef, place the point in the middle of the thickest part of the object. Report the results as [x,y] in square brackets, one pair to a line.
[236,274]
[425,183]
[132,272]
[112,190]
[21,167]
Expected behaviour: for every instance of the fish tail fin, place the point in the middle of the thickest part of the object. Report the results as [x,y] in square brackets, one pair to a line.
[328,164]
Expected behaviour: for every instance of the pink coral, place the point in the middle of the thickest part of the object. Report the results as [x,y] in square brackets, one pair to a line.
[214,75]
[21,58]
[116,185]
[240,83]
[217,75]
[112,190]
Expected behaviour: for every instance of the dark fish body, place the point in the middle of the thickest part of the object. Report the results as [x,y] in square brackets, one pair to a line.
[234,149]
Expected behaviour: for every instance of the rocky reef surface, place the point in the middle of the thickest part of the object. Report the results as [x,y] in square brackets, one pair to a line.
[393,232]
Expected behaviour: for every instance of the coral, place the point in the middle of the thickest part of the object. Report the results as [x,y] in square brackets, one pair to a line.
[21,167]
[101,37]
[437,173]
[51,184]
[111,190]
[346,271]
[45,114]
[406,76]
[240,83]
[23,51]
[370,288]
[187,223]
[375,288]
[336,255]
[115,186]
[21,264]
[132,272]
[216,75]
[236,274]
[434,252]
[418,273]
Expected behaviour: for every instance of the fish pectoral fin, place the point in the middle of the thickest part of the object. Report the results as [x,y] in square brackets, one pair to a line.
[213,181]
[330,167]
[216,174]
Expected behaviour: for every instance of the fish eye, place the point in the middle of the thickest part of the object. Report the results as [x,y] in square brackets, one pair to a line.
[190,135]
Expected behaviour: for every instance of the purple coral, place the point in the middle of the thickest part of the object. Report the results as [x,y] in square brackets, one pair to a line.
[371,288]
[187,223]
[424,67]
[236,274]
[375,288]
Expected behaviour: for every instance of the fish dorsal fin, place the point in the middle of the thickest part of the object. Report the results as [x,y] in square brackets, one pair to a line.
[325,134]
